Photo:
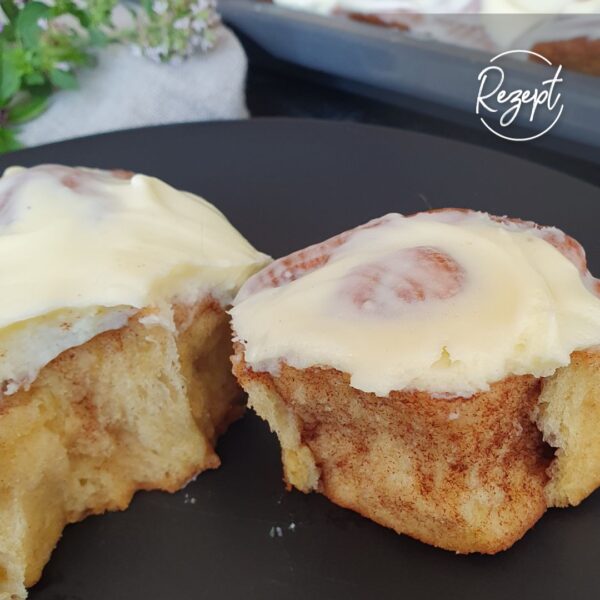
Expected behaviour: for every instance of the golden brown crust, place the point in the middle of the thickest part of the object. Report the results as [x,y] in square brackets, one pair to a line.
[568,414]
[131,409]
[374,19]
[579,54]
[463,474]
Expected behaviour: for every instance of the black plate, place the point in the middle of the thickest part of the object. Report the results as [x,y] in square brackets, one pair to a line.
[286,184]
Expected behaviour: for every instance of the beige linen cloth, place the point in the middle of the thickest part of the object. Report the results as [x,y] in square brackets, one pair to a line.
[125,91]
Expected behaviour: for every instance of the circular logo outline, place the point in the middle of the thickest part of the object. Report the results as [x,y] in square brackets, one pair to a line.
[538,135]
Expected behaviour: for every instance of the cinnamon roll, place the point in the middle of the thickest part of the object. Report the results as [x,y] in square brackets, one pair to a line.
[114,346]
[436,373]
[563,31]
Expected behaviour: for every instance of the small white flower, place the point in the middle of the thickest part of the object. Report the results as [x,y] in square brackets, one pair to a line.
[81,4]
[162,50]
[152,54]
[156,53]
[199,6]
[206,44]
[160,7]
[198,25]
[182,23]
[62,66]
[42,24]
[19,3]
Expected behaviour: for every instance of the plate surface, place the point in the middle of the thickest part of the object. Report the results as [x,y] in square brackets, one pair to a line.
[286,184]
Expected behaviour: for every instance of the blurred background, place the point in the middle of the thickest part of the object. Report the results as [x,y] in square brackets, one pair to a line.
[70,68]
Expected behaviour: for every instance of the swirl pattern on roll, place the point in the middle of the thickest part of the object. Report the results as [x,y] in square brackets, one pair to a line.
[444,301]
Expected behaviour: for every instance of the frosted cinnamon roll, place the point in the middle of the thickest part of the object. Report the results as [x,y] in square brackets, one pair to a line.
[114,346]
[435,373]
[563,31]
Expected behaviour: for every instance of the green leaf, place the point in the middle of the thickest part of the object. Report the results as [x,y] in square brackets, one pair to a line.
[147,6]
[63,79]
[10,76]
[8,140]
[25,111]
[98,37]
[9,8]
[45,89]
[27,28]
[81,15]
[8,32]
[34,79]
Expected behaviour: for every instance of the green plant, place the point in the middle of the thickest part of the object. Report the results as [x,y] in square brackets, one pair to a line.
[44,43]
[171,30]
[41,46]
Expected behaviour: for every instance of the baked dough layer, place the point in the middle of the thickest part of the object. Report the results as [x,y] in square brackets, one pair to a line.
[464,474]
[135,408]
[568,414]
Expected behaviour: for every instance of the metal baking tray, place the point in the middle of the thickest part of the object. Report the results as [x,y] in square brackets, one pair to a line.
[403,66]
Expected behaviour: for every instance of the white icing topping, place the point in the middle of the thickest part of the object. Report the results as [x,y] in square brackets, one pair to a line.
[381,6]
[545,7]
[441,302]
[489,25]
[80,249]
[27,346]
[424,7]
[536,21]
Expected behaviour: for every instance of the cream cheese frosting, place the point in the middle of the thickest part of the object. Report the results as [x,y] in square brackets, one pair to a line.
[537,21]
[547,7]
[490,25]
[444,302]
[424,7]
[380,6]
[82,249]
